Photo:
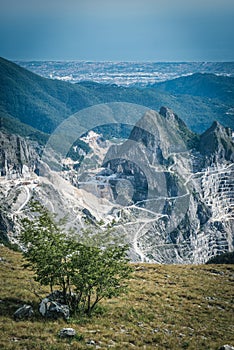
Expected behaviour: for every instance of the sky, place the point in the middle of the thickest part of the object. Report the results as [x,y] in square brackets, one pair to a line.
[117,30]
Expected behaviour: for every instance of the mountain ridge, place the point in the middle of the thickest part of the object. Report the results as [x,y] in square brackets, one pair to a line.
[44,103]
[203,84]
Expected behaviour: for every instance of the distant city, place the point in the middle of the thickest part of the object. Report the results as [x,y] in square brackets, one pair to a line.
[138,74]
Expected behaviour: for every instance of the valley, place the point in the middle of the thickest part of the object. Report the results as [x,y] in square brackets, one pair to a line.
[167,189]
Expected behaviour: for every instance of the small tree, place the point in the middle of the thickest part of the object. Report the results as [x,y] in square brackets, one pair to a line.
[85,272]
[47,250]
[101,273]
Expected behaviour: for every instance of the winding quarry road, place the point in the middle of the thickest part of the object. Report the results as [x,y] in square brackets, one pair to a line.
[28,196]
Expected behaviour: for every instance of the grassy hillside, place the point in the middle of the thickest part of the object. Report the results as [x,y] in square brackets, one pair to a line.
[9,124]
[36,101]
[44,103]
[168,307]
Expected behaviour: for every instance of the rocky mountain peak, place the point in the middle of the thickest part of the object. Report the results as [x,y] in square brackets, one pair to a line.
[172,117]
[164,125]
[167,113]
[190,139]
[216,142]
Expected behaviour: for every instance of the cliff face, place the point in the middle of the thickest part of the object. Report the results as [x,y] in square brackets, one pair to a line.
[185,213]
[17,156]
[216,144]
[18,160]
[25,177]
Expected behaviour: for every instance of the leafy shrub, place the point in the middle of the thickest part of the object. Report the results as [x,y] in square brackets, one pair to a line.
[86,272]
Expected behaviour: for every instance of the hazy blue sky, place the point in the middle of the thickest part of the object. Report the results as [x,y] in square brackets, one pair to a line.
[130,30]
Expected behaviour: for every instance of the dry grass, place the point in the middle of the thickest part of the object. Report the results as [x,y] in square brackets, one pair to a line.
[167,307]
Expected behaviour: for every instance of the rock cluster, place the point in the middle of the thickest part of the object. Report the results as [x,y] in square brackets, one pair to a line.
[53,306]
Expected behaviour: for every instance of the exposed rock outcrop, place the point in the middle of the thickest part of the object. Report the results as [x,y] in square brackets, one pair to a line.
[216,144]
[53,309]
[24,312]
[186,213]
[18,160]
[227,347]
[17,156]
[6,224]
[67,333]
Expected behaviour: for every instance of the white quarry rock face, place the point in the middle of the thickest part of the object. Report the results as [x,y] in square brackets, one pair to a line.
[189,216]
[217,185]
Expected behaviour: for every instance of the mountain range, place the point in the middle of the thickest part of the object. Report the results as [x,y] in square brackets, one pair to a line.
[167,188]
[34,106]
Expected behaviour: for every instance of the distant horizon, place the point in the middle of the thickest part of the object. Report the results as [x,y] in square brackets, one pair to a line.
[116,61]
[117,31]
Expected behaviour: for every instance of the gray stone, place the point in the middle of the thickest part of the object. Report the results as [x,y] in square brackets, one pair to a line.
[91,342]
[53,309]
[226,347]
[25,311]
[67,333]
